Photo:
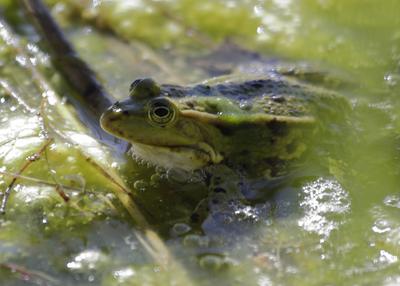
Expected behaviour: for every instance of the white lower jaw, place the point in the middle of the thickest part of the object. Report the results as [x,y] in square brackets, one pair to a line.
[184,158]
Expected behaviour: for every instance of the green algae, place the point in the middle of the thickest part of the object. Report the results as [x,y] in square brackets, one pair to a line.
[319,232]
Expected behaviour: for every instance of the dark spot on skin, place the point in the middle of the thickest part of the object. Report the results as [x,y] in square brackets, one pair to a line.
[219,190]
[291,148]
[278,128]
[226,130]
[218,180]
[215,201]
[195,217]
[256,84]
[190,104]
[112,119]
[203,89]
[276,165]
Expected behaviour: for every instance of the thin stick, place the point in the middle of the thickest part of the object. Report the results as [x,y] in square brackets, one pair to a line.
[38,181]
[12,93]
[30,159]
[91,99]
[76,71]
[36,277]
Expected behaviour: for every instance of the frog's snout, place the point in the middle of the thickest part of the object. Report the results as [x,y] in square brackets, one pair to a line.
[109,116]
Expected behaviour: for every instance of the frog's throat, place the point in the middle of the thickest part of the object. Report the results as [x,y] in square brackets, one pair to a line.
[187,158]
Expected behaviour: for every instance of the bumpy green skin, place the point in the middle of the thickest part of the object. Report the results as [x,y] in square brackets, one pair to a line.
[248,123]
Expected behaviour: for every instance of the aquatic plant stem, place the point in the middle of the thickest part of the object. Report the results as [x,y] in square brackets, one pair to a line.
[90,99]
[28,275]
[29,160]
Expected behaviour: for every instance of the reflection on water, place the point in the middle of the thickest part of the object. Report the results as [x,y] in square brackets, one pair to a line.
[324,201]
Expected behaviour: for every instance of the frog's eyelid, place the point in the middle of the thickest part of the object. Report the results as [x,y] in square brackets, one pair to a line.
[134,84]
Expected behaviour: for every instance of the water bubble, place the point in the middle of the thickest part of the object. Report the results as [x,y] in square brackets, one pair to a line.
[381,226]
[123,275]
[214,262]
[178,175]
[392,201]
[264,281]
[194,240]
[180,228]
[131,242]
[245,105]
[392,79]
[386,258]
[160,170]
[141,185]
[155,179]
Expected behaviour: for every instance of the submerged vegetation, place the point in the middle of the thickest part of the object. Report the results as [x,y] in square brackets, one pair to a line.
[81,212]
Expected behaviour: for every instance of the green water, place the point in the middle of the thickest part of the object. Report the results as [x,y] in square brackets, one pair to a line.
[336,228]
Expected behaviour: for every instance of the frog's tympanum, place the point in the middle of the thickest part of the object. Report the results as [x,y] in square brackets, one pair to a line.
[247,124]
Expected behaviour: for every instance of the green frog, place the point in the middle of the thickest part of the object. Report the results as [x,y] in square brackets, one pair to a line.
[252,125]
[248,123]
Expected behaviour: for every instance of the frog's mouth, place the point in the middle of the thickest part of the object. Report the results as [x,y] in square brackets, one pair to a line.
[188,158]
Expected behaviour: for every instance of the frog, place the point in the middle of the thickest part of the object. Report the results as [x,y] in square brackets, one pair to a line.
[238,121]
[243,125]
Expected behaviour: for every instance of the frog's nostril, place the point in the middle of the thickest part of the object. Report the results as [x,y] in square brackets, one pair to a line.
[116,107]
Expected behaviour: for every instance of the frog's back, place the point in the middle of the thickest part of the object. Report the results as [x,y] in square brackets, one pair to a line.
[254,96]
[264,121]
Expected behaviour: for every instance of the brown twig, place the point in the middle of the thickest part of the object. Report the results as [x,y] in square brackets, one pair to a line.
[38,181]
[29,160]
[90,98]
[28,275]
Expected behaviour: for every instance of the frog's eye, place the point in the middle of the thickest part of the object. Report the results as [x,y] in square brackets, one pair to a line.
[161,112]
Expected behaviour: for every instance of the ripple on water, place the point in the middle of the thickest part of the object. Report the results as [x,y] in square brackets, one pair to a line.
[324,203]
[386,224]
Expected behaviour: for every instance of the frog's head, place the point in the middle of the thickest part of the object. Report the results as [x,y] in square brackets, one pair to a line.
[158,131]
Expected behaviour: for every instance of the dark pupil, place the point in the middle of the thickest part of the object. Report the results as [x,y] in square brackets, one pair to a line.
[161,111]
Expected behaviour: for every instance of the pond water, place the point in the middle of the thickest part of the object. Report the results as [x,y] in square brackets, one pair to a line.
[338,224]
